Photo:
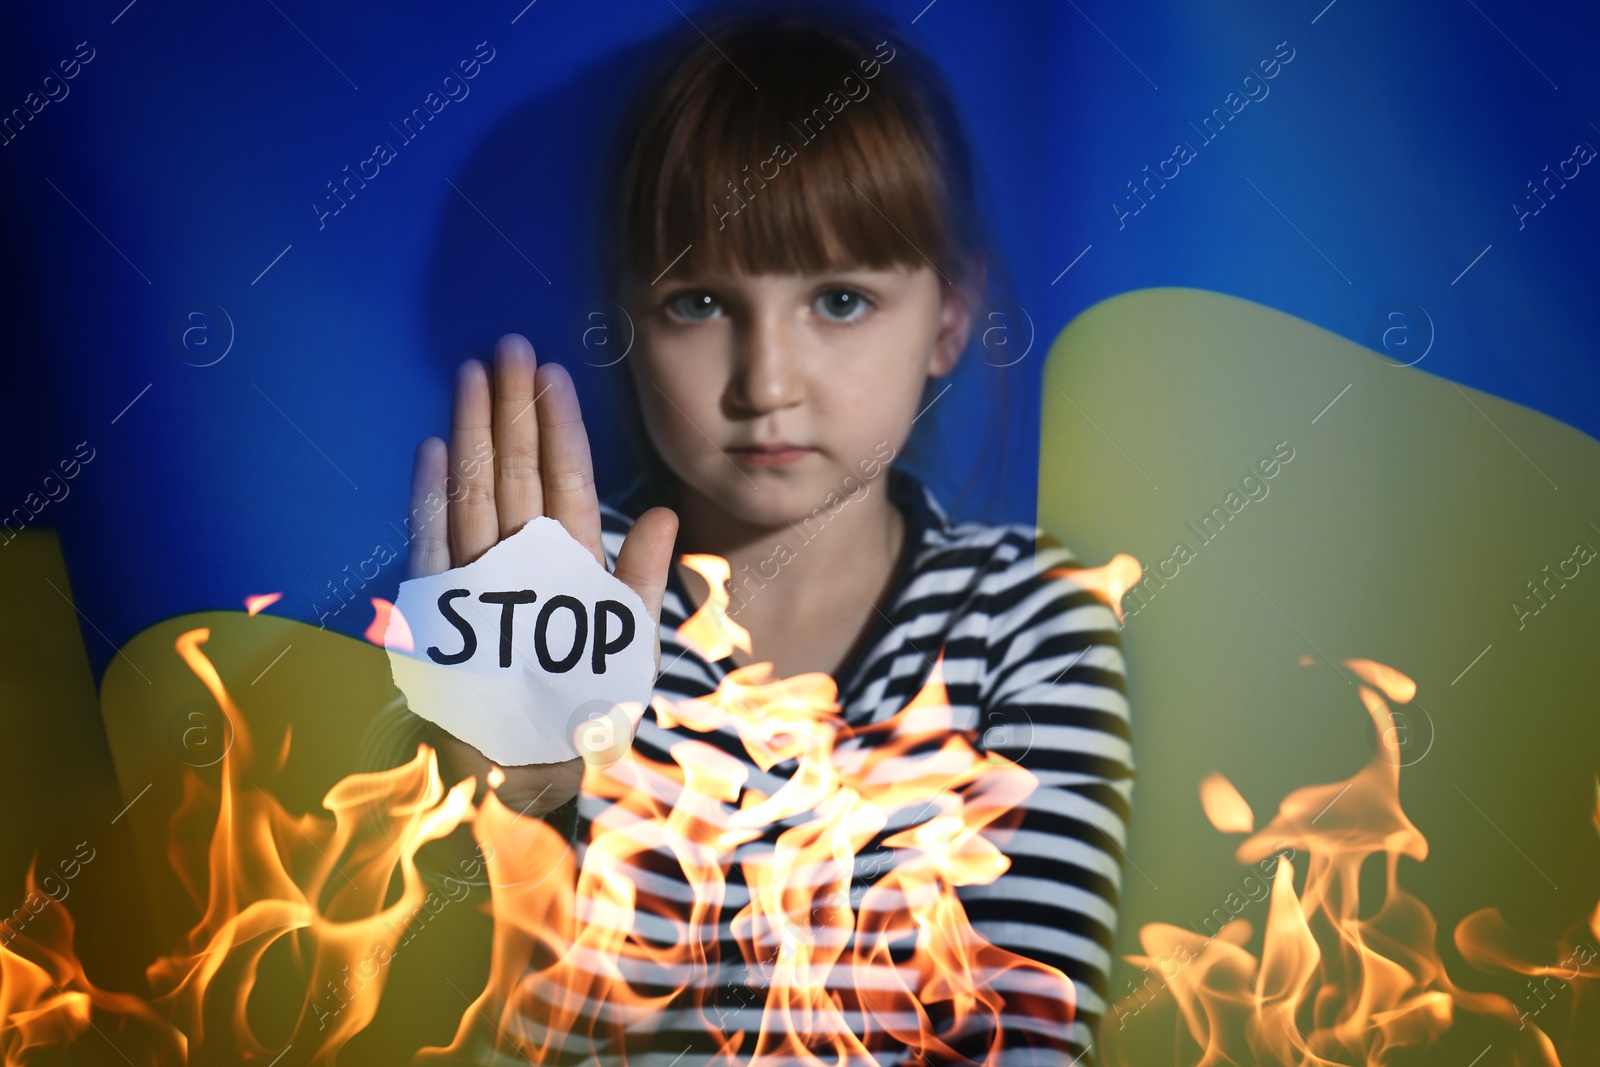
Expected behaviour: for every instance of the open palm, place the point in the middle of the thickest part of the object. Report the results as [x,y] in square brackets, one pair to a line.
[518,449]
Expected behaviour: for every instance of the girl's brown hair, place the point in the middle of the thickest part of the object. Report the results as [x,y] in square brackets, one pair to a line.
[787,140]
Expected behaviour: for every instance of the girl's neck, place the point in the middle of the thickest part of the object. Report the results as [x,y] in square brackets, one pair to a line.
[795,570]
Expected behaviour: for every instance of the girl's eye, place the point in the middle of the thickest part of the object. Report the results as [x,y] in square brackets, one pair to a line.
[841,305]
[693,307]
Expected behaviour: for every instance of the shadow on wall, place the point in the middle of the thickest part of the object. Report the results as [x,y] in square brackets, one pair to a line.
[516,247]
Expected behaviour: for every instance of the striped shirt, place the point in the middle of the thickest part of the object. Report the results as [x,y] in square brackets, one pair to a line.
[1033,671]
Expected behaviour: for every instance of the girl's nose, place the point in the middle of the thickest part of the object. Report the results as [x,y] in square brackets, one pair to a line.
[766,375]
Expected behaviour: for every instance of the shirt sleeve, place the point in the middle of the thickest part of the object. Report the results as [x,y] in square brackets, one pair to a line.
[1054,700]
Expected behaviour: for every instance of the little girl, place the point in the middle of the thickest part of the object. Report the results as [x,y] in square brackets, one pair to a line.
[793,233]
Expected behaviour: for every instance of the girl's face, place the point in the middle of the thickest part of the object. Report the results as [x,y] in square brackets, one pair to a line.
[834,363]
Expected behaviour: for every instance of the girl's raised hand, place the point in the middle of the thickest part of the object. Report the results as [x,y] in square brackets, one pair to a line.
[518,449]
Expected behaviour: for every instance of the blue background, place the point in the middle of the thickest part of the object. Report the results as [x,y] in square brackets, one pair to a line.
[185,159]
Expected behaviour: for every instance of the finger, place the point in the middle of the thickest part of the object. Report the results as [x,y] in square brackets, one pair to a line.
[427,524]
[518,495]
[568,471]
[473,527]
[645,558]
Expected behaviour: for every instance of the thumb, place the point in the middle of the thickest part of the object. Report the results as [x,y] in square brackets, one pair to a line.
[644,559]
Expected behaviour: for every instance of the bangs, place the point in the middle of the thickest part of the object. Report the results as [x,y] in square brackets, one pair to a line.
[793,137]
[794,149]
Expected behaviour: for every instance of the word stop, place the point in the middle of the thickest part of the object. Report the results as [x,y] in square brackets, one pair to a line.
[603,645]
[498,652]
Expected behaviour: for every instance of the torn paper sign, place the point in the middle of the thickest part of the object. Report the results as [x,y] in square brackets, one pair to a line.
[514,652]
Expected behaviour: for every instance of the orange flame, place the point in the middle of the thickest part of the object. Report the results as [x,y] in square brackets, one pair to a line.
[1330,986]
[709,631]
[1572,962]
[385,614]
[1327,985]
[1396,686]
[328,885]
[1109,581]
[1227,810]
[266,875]
[794,929]
[260,887]
[46,999]
[261,601]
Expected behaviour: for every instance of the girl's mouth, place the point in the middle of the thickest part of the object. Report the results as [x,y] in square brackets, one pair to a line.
[781,456]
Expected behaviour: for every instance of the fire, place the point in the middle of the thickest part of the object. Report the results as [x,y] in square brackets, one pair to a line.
[1573,963]
[1224,807]
[261,602]
[384,616]
[709,631]
[325,884]
[46,1000]
[258,886]
[1329,986]
[851,780]
[266,875]
[1107,581]
[340,888]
